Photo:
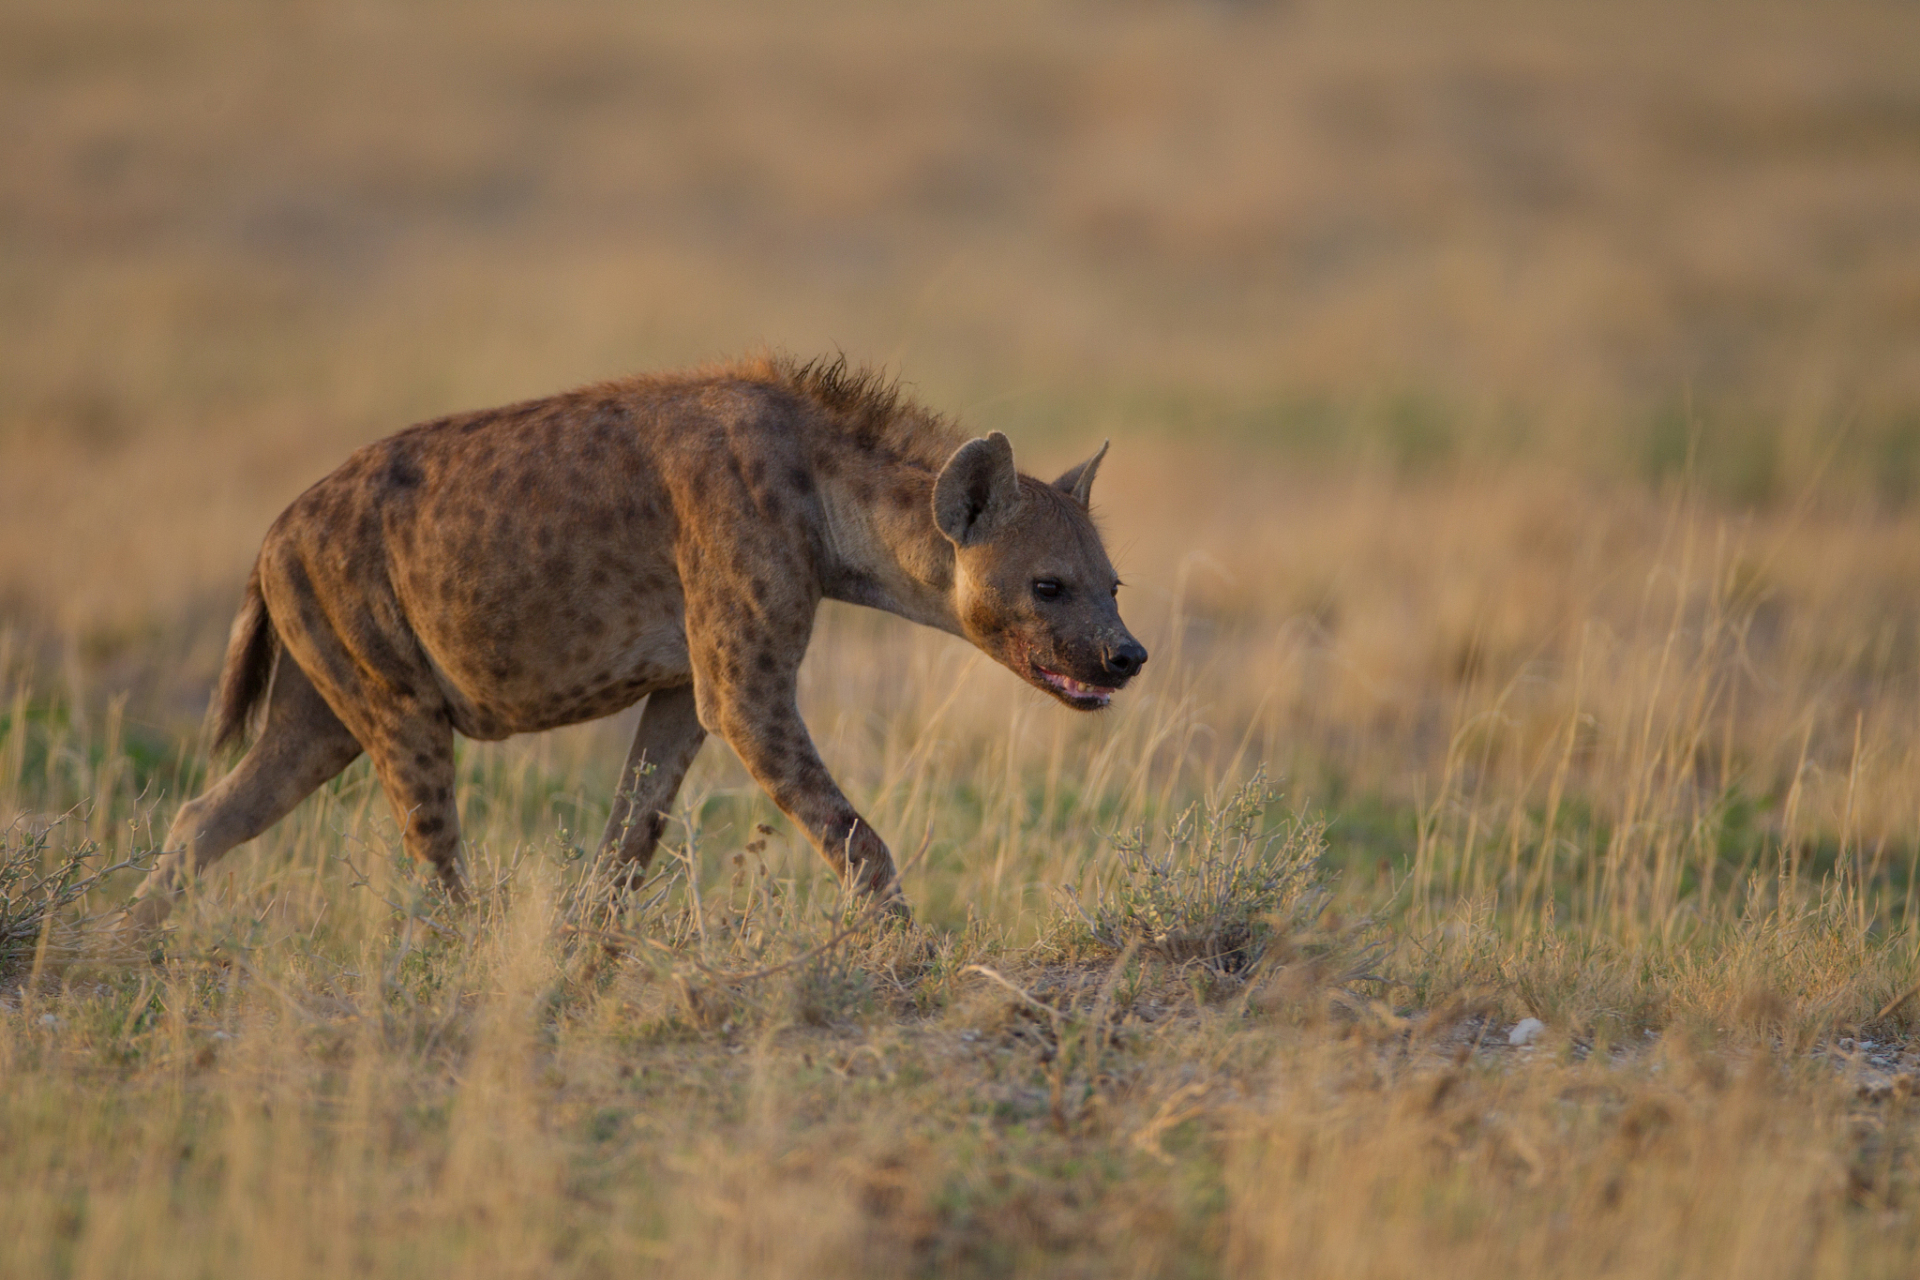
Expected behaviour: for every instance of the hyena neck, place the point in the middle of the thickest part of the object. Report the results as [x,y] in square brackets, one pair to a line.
[884,550]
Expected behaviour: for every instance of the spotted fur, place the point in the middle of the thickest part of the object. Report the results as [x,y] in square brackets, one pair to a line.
[667,538]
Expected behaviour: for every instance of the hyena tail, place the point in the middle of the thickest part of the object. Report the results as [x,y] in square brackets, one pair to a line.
[248,667]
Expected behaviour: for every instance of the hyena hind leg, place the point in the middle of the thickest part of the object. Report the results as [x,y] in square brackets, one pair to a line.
[669,737]
[301,745]
[413,758]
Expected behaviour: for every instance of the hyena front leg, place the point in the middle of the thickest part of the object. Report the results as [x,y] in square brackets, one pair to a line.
[760,720]
[669,737]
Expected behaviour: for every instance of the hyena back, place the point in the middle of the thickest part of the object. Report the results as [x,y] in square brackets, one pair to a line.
[666,537]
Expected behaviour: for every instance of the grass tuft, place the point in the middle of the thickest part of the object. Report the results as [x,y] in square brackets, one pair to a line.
[42,880]
[1222,886]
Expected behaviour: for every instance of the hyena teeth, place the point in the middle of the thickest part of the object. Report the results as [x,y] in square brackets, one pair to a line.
[1076,688]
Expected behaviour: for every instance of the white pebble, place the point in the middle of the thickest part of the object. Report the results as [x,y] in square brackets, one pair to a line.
[1526,1031]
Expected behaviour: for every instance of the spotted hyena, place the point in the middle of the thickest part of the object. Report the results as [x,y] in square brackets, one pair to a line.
[667,538]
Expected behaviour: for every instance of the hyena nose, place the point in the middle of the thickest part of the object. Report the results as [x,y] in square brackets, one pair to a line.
[1123,659]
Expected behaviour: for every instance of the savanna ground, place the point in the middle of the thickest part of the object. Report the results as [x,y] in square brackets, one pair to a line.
[1517,457]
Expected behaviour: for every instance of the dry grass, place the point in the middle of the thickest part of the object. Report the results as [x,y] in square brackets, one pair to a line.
[1516,455]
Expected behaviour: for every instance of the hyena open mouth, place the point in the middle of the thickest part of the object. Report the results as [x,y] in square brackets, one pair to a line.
[1087,697]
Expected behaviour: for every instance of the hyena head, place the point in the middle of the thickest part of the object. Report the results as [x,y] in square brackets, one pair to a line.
[1032,584]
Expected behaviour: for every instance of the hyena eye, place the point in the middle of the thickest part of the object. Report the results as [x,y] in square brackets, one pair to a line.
[1116,591]
[1046,588]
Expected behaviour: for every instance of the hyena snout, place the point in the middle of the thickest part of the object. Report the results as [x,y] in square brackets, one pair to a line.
[1124,659]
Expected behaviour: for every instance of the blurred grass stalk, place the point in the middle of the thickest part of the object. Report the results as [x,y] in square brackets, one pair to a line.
[1656,734]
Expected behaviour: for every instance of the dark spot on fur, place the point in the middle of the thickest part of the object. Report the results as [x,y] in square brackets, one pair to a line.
[801,481]
[402,472]
[429,824]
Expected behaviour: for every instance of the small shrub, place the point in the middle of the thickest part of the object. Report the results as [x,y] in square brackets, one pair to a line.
[38,883]
[1224,887]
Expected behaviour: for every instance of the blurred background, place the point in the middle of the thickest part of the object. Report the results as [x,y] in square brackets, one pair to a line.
[1464,358]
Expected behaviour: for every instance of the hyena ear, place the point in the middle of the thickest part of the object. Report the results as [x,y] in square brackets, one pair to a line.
[976,491]
[1078,482]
